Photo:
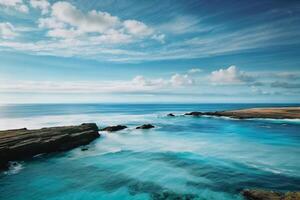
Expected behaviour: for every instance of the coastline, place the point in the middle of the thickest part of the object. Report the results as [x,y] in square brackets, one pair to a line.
[246,114]
[18,144]
[264,113]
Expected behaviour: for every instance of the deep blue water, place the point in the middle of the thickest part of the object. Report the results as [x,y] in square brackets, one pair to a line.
[204,157]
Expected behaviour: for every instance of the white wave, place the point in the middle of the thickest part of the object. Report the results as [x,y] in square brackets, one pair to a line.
[93,152]
[14,168]
[273,170]
[64,120]
[290,121]
[220,117]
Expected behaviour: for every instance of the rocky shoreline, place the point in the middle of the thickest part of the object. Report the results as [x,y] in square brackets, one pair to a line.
[266,113]
[20,144]
[260,194]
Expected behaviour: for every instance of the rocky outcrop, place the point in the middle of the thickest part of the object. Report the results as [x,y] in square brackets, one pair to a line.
[113,128]
[145,126]
[171,115]
[195,114]
[20,144]
[272,113]
[258,194]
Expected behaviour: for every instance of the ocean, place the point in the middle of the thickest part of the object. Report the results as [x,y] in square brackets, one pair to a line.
[183,157]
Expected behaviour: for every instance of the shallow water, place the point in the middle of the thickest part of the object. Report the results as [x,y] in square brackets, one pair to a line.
[183,157]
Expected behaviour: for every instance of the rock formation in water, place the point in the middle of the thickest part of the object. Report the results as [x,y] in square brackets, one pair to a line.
[171,115]
[19,144]
[145,126]
[113,128]
[258,194]
[272,113]
[195,114]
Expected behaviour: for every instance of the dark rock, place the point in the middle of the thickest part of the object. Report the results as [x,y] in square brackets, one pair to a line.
[196,114]
[20,144]
[169,195]
[145,126]
[171,115]
[259,194]
[114,128]
[84,148]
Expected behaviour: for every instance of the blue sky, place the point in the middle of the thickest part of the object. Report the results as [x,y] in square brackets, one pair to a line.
[149,51]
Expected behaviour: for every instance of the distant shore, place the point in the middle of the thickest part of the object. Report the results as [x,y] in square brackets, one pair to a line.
[271,113]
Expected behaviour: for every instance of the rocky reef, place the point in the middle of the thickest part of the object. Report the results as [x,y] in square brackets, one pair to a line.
[19,144]
[171,115]
[272,113]
[145,126]
[113,128]
[259,194]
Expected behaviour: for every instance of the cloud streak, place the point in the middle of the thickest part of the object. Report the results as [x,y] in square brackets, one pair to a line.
[94,33]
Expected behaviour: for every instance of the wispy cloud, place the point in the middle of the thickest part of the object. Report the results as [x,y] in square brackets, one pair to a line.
[181,25]
[139,84]
[43,5]
[7,31]
[67,30]
[194,70]
[18,5]
[287,85]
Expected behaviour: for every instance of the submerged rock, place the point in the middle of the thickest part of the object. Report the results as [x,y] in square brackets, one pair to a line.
[259,194]
[171,115]
[114,128]
[20,144]
[145,126]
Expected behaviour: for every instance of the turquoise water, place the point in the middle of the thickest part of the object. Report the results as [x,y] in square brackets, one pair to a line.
[182,158]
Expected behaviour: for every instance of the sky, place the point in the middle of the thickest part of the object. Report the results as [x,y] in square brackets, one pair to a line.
[142,51]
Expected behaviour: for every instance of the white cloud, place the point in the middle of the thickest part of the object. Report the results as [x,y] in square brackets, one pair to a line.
[64,33]
[139,80]
[94,27]
[15,4]
[149,83]
[93,21]
[231,75]
[50,23]
[194,71]
[7,31]
[43,5]
[137,84]
[90,45]
[137,28]
[159,37]
[181,80]
[111,37]
[175,80]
